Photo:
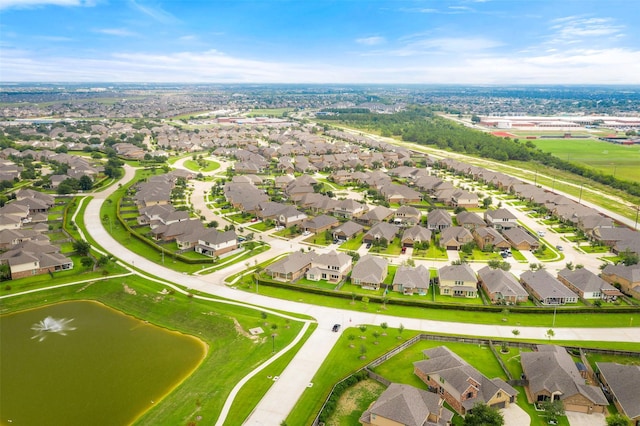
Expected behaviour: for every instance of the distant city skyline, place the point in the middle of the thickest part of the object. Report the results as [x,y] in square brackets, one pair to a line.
[340,41]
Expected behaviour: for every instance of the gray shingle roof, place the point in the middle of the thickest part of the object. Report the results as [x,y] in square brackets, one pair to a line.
[623,381]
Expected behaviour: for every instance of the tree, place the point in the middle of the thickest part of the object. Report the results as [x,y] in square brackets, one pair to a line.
[515,332]
[618,420]
[81,247]
[550,333]
[85,183]
[86,261]
[483,415]
[628,258]
[552,409]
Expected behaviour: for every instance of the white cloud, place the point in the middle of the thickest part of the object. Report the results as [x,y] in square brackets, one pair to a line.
[119,32]
[26,4]
[578,29]
[156,13]
[370,41]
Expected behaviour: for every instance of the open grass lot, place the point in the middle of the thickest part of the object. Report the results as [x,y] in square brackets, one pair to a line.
[353,244]
[603,156]
[269,112]
[354,402]
[194,166]
[231,353]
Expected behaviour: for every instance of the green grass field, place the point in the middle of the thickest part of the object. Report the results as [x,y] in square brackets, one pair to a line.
[618,160]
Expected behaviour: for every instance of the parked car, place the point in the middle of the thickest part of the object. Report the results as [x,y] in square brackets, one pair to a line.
[255,219]
[404,250]
[559,248]
[336,328]
[368,245]
[541,234]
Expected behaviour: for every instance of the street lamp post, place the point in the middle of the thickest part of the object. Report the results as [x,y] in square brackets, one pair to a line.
[637,211]
[273,341]
[580,198]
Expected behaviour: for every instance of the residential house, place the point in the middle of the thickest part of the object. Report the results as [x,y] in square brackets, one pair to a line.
[489,237]
[552,375]
[627,277]
[588,285]
[349,209]
[369,272]
[376,215]
[470,220]
[415,234]
[11,237]
[405,405]
[347,231]
[176,230]
[466,199]
[621,382]
[407,215]
[379,231]
[546,288]
[290,268]
[34,258]
[501,219]
[320,224]
[455,237]
[332,266]
[501,286]
[460,384]
[520,239]
[438,220]
[457,281]
[217,243]
[400,194]
[409,280]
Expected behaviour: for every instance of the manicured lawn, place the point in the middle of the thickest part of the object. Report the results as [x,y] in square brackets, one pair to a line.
[458,300]
[352,244]
[587,248]
[517,255]
[320,239]
[432,253]
[194,166]
[259,227]
[480,255]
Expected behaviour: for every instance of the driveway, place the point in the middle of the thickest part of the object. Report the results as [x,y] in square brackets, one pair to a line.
[515,416]
[582,419]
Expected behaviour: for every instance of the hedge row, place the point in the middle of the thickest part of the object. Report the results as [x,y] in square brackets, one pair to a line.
[449,306]
[338,390]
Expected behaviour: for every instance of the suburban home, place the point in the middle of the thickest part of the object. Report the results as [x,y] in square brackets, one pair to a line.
[290,216]
[349,209]
[552,375]
[175,230]
[407,215]
[216,243]
[627,277]
[466,199]
[400,194]
[610,236]
[501,219]
[438,220]
[546,288]
[520,239]
[458,281]
[621,384]
[460,384]
[12,237]
[455,237]
[489,237]
[588,285]
[379,231]
[34,258]
[320,223]
[415,234]
[405,405]
[291,267]
[331,266]
[409,280]
[369,272]
[376,215]
[347,231]
[501,286]
[161,214]
[470,220]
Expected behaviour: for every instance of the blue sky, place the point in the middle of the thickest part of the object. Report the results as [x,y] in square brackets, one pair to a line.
[321,41]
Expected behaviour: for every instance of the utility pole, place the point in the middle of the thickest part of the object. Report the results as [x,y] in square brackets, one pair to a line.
[580,198]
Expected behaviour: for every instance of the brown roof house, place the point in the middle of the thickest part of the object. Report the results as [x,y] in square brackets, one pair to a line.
[501,286]
[627,277]
[347,231]
[470,220]
[216,243]
[369,272]
[621,382]
[409,280]
[331,266]
[438,219]
[457,281]
[486,237]
[553,375]
[379,231]
[521,240]
[35,258]
[405,405]
[459,384]
[415,234]
[407,215]
[291,267]
[376,215]
[320,223]
[455,237]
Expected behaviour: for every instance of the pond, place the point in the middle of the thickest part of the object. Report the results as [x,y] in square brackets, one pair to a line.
[80,362]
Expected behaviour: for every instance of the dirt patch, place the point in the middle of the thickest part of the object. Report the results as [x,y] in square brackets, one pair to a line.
[355,401]
[129,290]
[244,332]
